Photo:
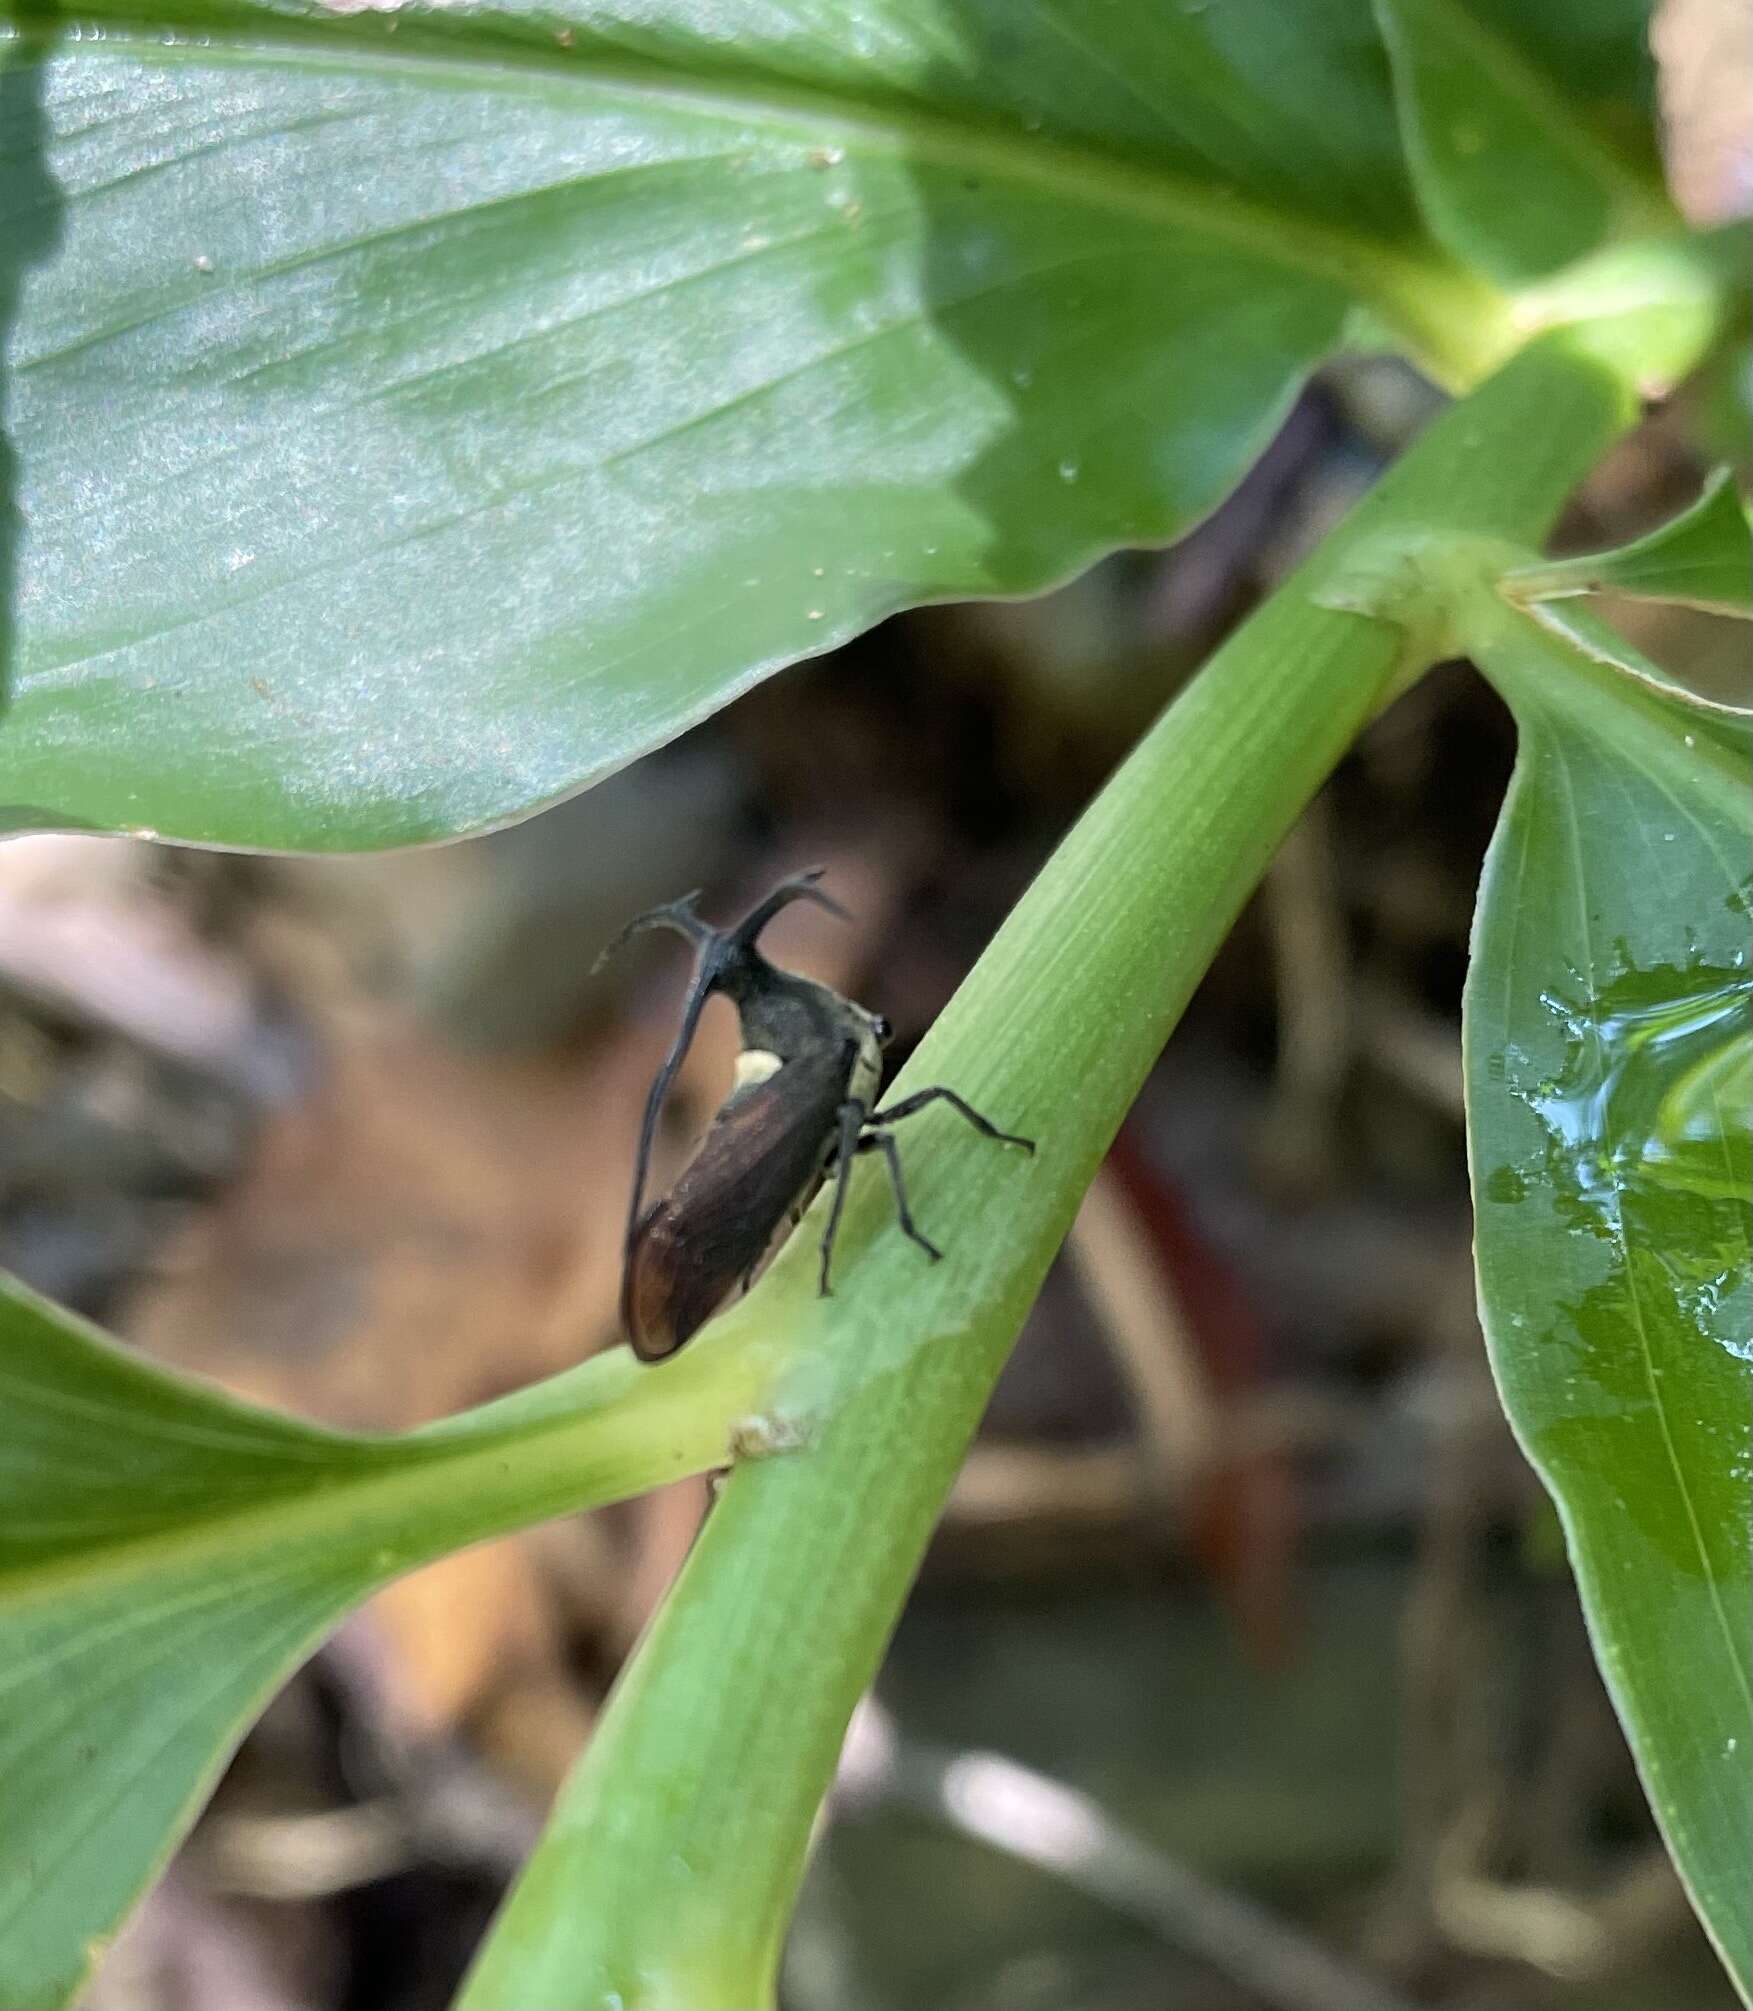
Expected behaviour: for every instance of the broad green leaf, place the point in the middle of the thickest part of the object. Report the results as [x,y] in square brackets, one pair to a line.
[420,413]
[1527,128]
[167,1555]
[1702,558]
[1607,1050]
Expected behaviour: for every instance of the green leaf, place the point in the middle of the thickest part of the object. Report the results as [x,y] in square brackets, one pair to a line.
[667,1874]
[418,414]
[1607,1049]
[1527,128]
[1702,558]
[168,1555]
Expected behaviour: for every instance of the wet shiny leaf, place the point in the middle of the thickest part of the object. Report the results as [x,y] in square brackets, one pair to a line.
[1607,1049]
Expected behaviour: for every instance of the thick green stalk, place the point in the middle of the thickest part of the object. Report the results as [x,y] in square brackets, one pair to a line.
[670,1867]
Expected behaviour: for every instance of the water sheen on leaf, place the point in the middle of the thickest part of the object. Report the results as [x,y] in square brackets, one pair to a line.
[1608,1032]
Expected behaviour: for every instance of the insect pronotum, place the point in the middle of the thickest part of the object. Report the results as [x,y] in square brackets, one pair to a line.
[800,1110]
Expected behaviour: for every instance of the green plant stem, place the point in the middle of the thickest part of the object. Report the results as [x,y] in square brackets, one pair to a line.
[600,1433]
[671,1864]
[383,1505]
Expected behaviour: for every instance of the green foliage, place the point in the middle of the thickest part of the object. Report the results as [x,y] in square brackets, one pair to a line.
[411,416]
[1702,558]
[168,1555]
[734,1707]
[1608,1039]
[497,465]
[1501,100]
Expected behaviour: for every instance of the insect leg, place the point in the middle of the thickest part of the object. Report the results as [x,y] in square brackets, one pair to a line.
[849,1122]
[910,1104]
[884,1142]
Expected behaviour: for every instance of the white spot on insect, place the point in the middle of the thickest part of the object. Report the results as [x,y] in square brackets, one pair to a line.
[756,1064]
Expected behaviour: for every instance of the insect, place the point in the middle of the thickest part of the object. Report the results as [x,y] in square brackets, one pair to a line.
[800,1109]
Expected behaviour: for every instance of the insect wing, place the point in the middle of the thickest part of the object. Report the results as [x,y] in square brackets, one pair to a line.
[760,1158]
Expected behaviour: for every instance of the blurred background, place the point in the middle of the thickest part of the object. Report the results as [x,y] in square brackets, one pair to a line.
[1245,1672]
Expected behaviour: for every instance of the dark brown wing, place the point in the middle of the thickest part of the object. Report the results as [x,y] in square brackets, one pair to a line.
[761,1156]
